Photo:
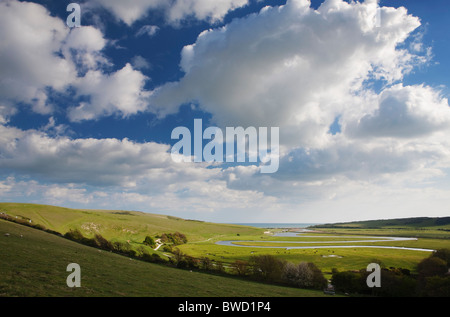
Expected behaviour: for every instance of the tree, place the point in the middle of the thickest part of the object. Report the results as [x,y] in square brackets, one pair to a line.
[174,238]
[240,267]
[149,241]
[290,273]
[304,275]
[443,254]
[178,255]
[102,243]
[437,286]
[348,282]
[206,264]
[218,266]
[432,266]
[267,267]
[318,280]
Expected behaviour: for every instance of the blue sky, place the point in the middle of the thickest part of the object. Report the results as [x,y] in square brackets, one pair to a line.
[87,113]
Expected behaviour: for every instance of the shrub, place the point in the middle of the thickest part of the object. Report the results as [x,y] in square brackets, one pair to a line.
[218,266]
[74,235]
[167,248]
[206,264]
[123,248]
[102,243]
[393,284]
[267,267]
[318,280]
[348,282]
[437,286]
[174,238]
[240,267]
[304,275]
[149,242]
[157,259]
[443,254]
[432,266]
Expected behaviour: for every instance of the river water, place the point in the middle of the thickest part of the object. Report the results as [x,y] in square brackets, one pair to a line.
[297,234]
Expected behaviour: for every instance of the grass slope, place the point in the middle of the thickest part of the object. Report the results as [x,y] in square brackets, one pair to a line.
[121,225]
[411,223]
[423,227]
[33,263]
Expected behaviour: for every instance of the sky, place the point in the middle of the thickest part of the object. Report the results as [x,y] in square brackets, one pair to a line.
[358,90]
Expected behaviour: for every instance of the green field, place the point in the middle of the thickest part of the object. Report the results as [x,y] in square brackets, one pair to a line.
[33,263]
[120,225]
[326,259]
[26,262]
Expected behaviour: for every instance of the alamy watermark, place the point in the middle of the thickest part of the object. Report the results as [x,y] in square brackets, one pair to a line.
[240,144]
[74,278]
[374,278]
[74,18]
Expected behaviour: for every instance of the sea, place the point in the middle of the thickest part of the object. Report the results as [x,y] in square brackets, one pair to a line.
[278,225]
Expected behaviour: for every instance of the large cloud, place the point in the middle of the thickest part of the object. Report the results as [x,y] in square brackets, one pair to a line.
[212,11]
[88,161]
[403,112]
[175,11]
[119,93]
[128,11]
[29,41]
[40,55]
[291,66]
[112,173]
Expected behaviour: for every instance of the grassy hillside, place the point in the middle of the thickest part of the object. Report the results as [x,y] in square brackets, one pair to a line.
[120,225]
[130,228]
[413,223]
[33,263]
[420,227]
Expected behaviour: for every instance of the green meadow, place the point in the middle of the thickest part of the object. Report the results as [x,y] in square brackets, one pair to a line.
[35,263]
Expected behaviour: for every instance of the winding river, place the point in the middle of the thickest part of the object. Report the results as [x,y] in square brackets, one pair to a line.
[232,243]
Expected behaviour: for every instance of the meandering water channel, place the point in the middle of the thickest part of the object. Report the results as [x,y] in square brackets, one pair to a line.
[370,239]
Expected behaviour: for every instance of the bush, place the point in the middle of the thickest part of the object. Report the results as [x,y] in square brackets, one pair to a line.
[395,284]
[437,286]
[151,257]
[76,235]
[218,267]
[433,273]
[443,254]
[240,267]
[267,267]
[157,259]
[432,266]
[304,275]
[102,243]
[206,264]
[123,248]
[149,242]
[318,280]
[174,238]
[347,282]
[167,248]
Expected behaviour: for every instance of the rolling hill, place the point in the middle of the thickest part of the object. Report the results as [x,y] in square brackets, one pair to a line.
[119,225]
[33,264]
[403,223]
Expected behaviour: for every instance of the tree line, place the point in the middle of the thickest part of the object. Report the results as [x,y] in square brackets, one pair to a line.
[432,279]
[265,268]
